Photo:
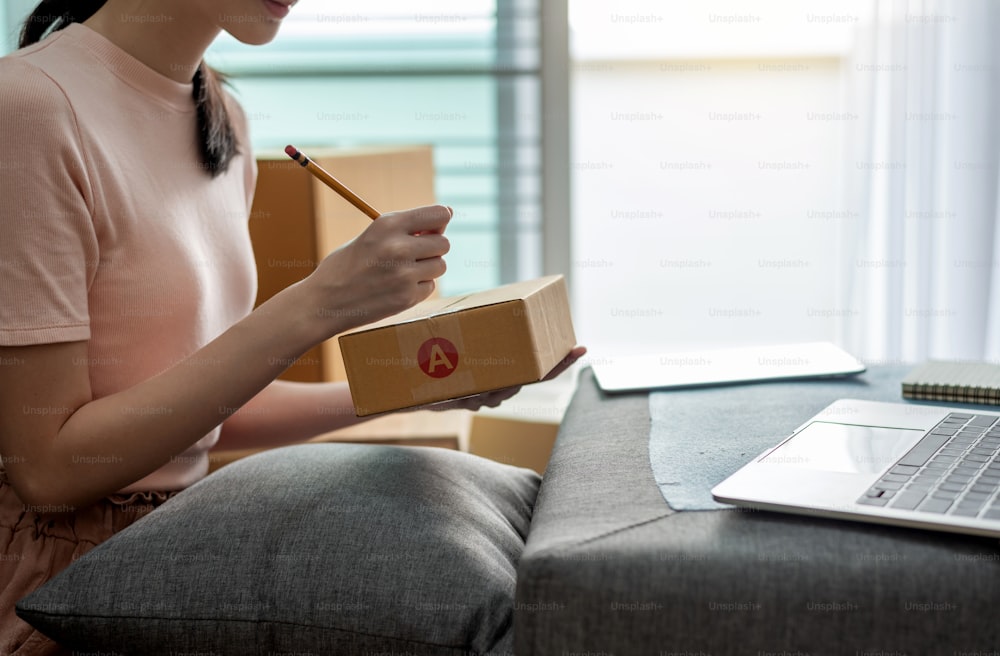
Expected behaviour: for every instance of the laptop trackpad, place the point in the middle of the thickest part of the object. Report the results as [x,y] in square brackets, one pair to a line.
[844,448]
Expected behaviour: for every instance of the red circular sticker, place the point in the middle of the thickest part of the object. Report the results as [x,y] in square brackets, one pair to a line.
[437,357]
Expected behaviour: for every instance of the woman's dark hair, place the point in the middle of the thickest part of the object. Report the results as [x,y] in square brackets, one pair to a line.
[216,136]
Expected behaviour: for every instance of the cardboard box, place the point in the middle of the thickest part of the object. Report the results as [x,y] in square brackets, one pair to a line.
[447,348]
[513,441]
[522,431]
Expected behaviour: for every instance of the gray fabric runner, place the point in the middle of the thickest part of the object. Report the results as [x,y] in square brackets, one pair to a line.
[700,436]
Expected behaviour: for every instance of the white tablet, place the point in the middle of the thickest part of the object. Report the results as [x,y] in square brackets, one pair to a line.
[724,366]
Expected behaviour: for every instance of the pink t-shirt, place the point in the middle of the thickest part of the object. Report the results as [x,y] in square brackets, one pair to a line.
[111,231]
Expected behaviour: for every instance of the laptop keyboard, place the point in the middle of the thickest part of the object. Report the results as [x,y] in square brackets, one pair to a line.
[953,470]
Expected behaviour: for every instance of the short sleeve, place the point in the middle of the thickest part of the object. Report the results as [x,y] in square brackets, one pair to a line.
[48,248]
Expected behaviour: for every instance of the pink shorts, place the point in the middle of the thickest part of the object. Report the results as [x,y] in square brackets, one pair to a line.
[36,543]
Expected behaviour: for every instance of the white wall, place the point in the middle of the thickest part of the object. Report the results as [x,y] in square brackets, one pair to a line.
[705,196]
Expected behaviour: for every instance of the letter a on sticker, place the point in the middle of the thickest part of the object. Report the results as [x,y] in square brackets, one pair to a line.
[437,357]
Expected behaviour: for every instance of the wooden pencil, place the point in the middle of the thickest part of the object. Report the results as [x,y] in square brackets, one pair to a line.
[332,182]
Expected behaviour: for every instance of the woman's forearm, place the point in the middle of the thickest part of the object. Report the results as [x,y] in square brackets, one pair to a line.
[286,412]
[139,429]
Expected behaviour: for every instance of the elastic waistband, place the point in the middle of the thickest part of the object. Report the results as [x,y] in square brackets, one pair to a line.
[93,523]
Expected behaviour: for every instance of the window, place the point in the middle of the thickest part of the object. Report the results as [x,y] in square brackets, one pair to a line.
[707,160]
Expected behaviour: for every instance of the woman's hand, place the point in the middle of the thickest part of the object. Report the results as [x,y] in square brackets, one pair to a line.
[494,398]
[388,268]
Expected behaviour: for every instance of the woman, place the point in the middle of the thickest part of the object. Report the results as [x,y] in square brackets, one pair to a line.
[127,280]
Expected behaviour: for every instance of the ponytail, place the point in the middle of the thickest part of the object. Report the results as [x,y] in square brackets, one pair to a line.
[55,15]
[216,136]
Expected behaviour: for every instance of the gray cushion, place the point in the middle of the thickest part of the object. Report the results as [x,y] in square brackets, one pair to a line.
[324,549]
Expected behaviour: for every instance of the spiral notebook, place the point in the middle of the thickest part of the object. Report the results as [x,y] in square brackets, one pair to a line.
[954,382]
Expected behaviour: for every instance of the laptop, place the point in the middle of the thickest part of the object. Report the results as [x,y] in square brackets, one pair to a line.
[924,466]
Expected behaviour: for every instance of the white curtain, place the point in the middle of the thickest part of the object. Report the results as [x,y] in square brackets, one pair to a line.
[920,243]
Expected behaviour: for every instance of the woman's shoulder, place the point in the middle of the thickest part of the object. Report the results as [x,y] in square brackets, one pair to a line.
[237,116]
[234,108]
[37,113]
[28,88]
